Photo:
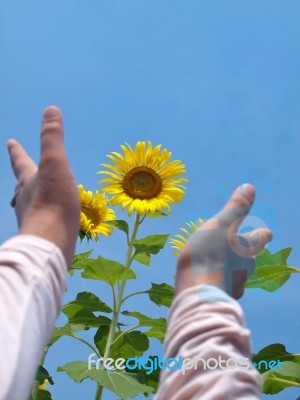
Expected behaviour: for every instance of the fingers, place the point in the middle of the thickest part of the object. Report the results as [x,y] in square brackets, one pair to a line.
[243,196]
[21,163]
[239,278]
[248,245]
[51,135]
[238,205]
[256,240]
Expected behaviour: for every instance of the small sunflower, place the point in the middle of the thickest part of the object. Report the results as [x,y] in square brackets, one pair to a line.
[181,240]
[143,179]
[43,386]
[94,214]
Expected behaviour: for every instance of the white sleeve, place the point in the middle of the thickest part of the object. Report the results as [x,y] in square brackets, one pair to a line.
[32,281]
[205,322]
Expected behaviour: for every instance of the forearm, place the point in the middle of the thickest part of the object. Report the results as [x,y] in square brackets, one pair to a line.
[206,323]
[32,280]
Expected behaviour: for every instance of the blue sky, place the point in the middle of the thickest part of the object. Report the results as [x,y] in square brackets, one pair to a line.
[216,82]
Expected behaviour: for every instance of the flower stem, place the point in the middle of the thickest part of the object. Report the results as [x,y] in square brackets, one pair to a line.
[88,344]
[144,216]
[132,294]
[124,332]
[98,394]
[118,303]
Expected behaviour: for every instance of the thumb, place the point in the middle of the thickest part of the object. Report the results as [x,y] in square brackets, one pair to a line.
[238,206]
[21,163]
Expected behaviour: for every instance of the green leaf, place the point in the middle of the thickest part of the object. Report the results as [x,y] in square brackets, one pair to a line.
[278,379]
[59,332]
[43,395]
[157,214]
[76,370]
[265,257]
[81,259]
[43,374]
[143,258]
[271,270]
[161,294]
[90,302]
[150,379]
[126,345]
[108,271]
[276,351]
[274,381]
[158,325]
[121,383]
[130,344]
[151,244]
[120,224]
[84,317]
[157,333]
[100,338]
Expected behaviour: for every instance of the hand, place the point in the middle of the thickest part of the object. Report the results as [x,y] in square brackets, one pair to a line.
[216,254]
[47,200]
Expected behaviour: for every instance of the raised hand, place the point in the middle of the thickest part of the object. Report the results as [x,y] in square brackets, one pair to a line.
[216,254]
[47,201]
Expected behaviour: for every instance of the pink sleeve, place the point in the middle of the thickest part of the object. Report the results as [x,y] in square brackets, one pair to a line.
[32,280]
[206,323]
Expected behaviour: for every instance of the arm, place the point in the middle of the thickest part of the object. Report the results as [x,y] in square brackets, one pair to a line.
[207,329]
[32,281]
[205,321]
[34,264]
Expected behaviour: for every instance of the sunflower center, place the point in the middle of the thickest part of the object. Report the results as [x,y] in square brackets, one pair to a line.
[91,214]
[142,183]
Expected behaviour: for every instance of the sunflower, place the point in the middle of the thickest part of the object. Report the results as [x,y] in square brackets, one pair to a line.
[43,386]
[181,240]
[94,214]
[143,179]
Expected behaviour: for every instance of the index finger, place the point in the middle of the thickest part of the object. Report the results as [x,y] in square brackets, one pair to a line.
[52,135]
